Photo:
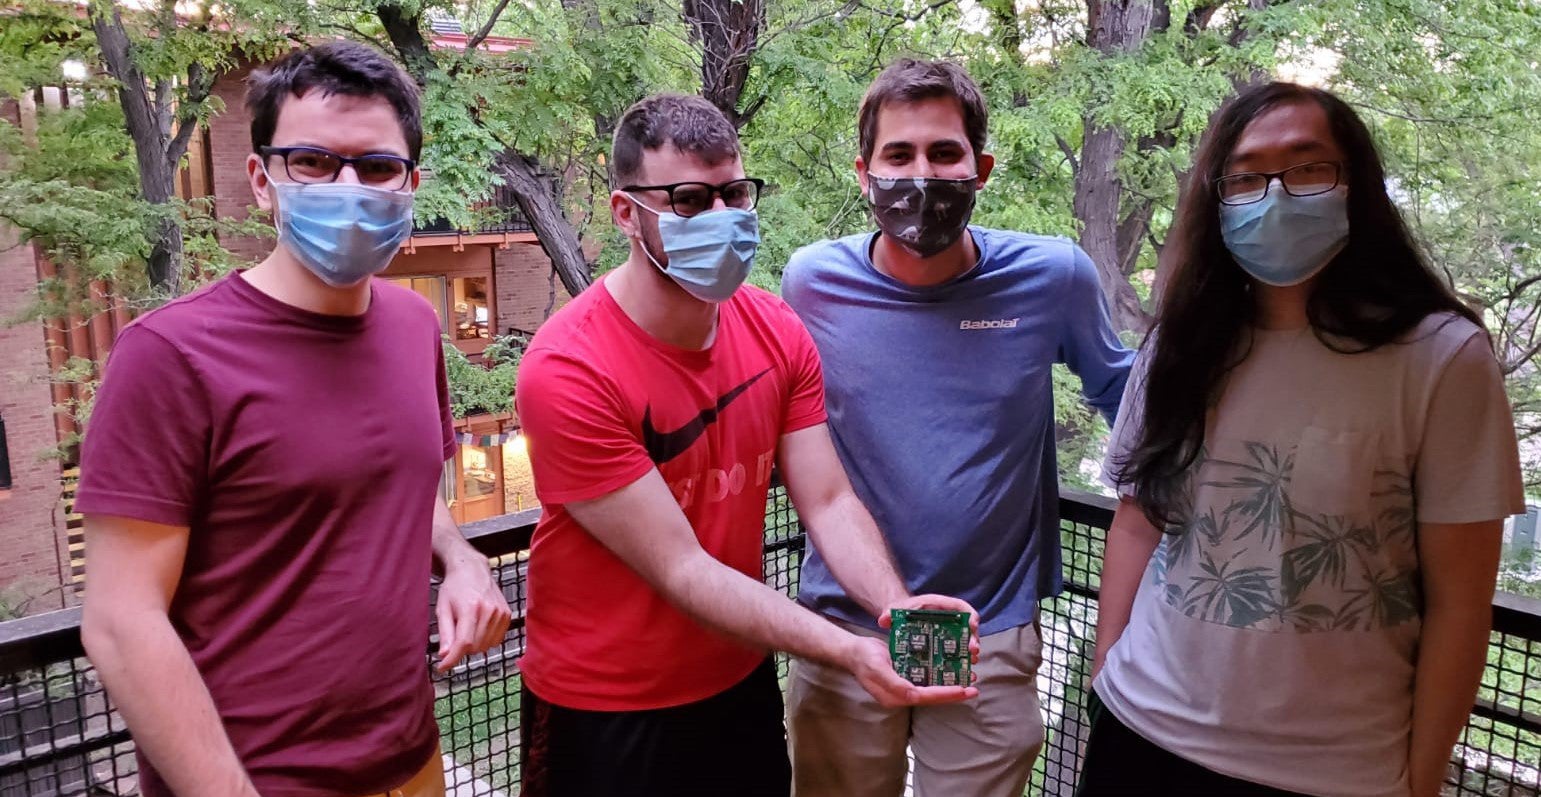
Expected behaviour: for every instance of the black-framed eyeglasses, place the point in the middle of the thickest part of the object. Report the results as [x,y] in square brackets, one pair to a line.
[317,165]
[689,199]
[1307,179]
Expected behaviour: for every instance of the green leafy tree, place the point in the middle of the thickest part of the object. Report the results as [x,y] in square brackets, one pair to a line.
[486,387]
[92,184]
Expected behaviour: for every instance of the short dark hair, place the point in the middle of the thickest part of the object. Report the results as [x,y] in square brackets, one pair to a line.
[912,80]
[342,67]
[690,123]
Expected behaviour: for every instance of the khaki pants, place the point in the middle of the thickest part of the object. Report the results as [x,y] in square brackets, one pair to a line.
[844,744]
[428,782]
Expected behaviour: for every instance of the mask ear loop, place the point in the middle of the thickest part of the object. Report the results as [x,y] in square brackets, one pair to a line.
[273,196]
[642,239]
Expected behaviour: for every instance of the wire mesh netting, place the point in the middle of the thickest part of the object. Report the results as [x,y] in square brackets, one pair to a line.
[60,736]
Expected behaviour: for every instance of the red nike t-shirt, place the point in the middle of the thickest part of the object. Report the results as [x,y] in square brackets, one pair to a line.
[602,403]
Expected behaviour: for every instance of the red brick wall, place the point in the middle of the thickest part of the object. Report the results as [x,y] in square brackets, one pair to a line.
[31,536]
[30,532]
[524,281]
[229,144]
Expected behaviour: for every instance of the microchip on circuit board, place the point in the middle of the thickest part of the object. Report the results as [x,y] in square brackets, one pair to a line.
[930,647]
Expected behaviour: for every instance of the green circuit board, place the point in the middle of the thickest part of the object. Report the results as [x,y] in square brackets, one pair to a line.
[930,647]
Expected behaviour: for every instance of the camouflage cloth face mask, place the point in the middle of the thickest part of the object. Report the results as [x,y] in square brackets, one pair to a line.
[925,215]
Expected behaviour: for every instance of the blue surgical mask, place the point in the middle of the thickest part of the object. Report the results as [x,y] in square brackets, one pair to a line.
[1284,240]
[709,253]
[343,232]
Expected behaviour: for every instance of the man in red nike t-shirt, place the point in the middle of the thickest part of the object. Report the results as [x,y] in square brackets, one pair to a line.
[656,405]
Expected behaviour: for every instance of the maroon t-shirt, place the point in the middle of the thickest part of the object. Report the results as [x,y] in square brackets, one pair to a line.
[304,453]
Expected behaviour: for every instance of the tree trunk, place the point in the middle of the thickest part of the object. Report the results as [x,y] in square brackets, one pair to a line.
[520,172]
[1096,205]
[729,31]
[165,262]
[557,236]
[406,34]
[1008,37]
[1110,234]
[156,152]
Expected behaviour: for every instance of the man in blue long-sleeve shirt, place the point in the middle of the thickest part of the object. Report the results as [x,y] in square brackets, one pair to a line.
[937,339]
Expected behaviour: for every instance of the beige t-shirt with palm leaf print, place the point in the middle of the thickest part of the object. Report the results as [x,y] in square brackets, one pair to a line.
[1274,637]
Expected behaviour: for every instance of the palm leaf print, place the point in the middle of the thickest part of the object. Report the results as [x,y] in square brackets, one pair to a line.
[1397,598]
[1266,504]
[1180,549]
[1387,599]
[1310,617]
[1159,559]
[1330,541]
[1238,598]
[1397,520]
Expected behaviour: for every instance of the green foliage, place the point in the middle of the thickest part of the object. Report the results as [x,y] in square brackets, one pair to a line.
[77,371]
[487,387]
[1450,91]
[456,153]
[71,184]
[1449,88]
[37,38]
[73,192]
[1520,573]
[1082,434]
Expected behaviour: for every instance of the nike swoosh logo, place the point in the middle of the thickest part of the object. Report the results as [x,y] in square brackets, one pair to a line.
[664,446]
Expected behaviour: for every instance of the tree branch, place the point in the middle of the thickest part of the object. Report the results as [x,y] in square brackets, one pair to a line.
[486,29]
[1510,366]
[844,8]
[351,30]
[752,109]
[1069,151]
[899,18]
[1452,120]
[1200,15]
[199,84]
[520,171]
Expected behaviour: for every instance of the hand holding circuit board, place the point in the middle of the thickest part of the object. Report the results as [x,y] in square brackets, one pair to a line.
[950,631]
[930,647]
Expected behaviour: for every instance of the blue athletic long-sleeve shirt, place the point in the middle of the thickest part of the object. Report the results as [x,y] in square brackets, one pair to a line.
[941,408]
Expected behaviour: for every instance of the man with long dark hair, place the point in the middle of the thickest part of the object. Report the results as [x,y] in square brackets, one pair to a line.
[1319,427]
[938,338]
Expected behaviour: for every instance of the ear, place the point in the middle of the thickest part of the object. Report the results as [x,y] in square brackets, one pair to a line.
[623,211]
[259,182]
[417,178]
[984,164]
[861,174]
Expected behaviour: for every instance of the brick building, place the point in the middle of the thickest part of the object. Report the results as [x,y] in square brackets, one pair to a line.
[30,527]
[485,282]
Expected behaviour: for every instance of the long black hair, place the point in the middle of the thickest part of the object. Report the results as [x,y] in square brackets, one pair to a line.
[1371,294]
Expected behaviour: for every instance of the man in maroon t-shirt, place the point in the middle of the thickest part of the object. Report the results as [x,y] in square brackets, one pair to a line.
[260,478]
[656,404]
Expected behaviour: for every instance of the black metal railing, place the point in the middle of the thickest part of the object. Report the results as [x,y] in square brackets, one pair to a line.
[498,214]
[59,735]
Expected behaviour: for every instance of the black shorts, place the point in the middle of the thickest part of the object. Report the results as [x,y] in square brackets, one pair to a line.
[1122,763]
[731,744]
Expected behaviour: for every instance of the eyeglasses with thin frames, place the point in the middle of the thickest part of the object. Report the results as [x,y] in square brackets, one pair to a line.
[1306,179]
[313,165]
[691,198]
